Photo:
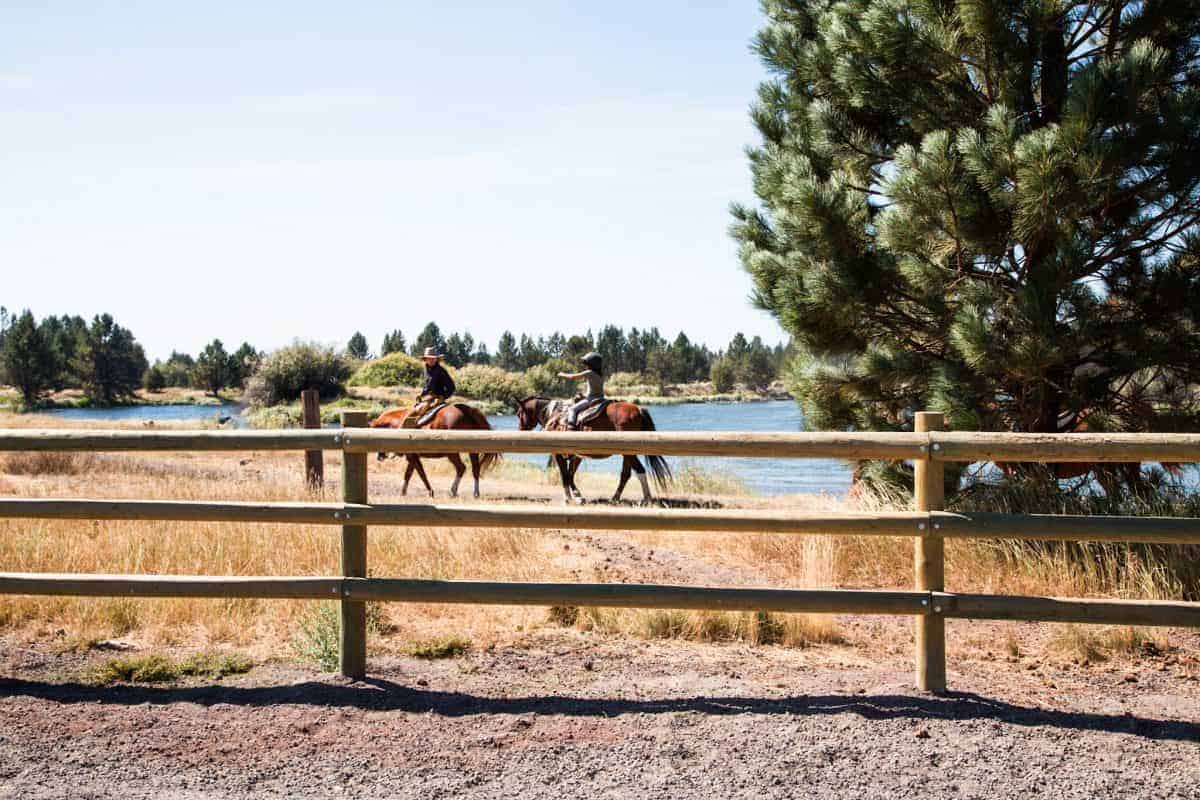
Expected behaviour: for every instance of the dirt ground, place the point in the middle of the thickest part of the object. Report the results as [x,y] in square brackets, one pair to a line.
[567,713]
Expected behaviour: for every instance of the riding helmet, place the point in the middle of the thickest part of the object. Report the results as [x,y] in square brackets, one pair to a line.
[593,361]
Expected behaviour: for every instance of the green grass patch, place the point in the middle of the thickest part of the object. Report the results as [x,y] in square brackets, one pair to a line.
[154,668]
[440,647]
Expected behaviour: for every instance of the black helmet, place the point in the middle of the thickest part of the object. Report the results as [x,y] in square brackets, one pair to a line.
[593,361]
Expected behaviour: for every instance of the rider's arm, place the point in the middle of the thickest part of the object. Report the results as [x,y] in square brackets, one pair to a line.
[572,376]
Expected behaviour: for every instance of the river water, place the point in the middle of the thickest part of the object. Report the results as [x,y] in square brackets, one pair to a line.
[761,475]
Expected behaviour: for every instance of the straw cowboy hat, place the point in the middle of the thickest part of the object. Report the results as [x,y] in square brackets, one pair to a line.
[431,352]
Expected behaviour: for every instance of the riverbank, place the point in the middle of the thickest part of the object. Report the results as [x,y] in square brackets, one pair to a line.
[10,399]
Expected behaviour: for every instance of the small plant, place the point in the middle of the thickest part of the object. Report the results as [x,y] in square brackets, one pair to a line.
[1079,642]
[566,616]
[1011,645]
[490,383]
[316,639]
[440,647]
[35,463]
[215,664]
[135,669]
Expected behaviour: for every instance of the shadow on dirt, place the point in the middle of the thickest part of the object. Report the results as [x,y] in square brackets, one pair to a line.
[382,695]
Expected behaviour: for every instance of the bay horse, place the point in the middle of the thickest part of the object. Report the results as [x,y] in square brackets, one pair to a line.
[453,417]
[617,416]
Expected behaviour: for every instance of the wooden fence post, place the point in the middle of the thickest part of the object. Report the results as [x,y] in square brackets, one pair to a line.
[929,560]
[353,642]
[314,460]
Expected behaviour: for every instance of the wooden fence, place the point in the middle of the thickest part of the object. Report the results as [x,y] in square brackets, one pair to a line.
[927,524]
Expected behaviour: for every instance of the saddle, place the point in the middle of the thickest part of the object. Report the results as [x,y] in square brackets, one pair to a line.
[426,417]
[557,413]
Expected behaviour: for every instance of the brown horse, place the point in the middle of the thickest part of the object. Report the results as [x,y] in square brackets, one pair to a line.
[455,417]
[536,410]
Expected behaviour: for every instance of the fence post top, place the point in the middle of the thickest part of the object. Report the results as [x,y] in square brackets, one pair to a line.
[354,419]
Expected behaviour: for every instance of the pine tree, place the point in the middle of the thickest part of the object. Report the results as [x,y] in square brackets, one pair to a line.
[357,347]
[393,343]
[430,336]
[214,368]
[109,362]
[982,208]
[507,356]
[27,358]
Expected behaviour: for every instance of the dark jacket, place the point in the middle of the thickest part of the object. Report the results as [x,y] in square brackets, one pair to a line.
[438,381]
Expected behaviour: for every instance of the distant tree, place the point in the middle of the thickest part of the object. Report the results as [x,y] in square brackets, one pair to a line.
[177,370]
[153,379]
[722,375]
[507,355]
[64,335]
[658,368]
[430,336]
[481,355]
[109,362]
[214,368]
[357,347]
[393,343]
[556,344]
[531,354]
[758,369]
[242,364]
[27,359]
[458,349]
[579,345]
[611,345]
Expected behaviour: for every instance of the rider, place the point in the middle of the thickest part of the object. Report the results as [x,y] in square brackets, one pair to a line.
[594,375]
[437,389]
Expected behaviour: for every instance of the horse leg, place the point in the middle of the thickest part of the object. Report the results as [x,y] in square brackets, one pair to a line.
[575,461]
[626,469]
[420,471]
[475,471]
[636,463]
[408,471]
[561,461]
[459,469]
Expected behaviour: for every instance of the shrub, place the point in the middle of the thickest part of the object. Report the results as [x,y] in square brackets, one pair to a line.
[282,375]
[153,379]
[722,375]
[442,647]
[543,379]
[394,369]
[46,462]
[317,637]
[490,383]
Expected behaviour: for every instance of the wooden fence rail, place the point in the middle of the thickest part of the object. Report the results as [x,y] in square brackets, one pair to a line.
[928,447]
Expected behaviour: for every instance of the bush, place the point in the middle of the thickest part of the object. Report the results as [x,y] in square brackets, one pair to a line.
[394,369]
[302,365]
[543,379]
[153,379]
[316,639]
[490,383]
[722,375]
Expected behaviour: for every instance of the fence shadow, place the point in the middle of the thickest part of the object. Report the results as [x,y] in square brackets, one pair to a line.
[376,694]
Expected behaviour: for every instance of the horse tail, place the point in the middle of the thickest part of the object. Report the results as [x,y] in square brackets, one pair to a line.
[658,465]
[487,461]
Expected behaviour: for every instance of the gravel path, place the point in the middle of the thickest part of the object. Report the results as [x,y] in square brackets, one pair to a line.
[569,714]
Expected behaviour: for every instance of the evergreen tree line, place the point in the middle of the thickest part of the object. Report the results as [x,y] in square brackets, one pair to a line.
[645,352]
[104,359]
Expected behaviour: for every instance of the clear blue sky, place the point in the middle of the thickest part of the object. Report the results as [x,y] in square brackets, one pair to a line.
[267,171]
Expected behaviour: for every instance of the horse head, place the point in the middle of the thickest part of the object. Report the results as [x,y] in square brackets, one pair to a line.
[531,412]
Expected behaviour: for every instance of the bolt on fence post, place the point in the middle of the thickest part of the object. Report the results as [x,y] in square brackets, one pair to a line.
[929,561]
[352,652]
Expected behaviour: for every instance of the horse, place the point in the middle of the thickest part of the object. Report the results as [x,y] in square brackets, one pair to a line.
[617,416]
[454,417]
